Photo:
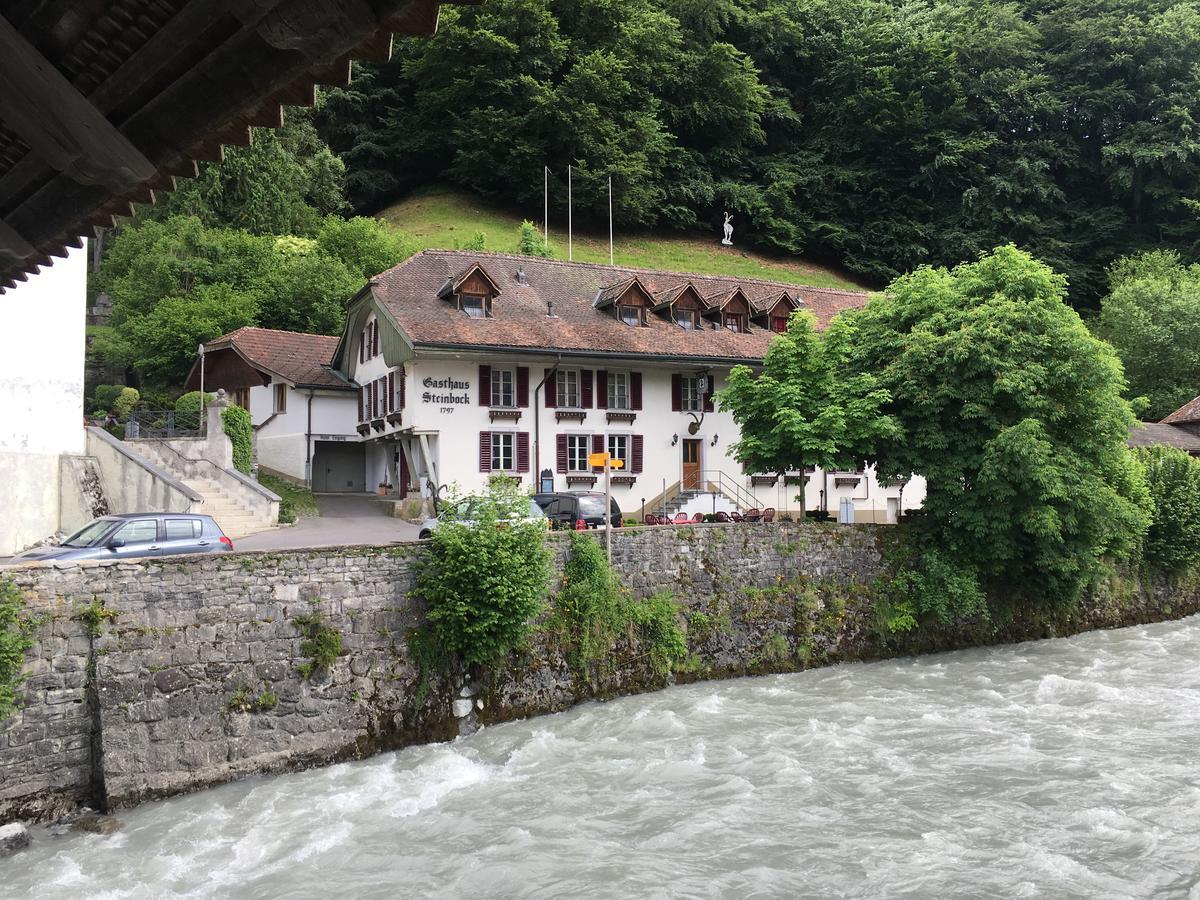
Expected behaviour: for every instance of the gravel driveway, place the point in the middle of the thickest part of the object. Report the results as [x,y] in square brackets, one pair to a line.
[345,519]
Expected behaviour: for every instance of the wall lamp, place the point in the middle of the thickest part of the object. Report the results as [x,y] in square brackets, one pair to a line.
[674,439]
[713,443]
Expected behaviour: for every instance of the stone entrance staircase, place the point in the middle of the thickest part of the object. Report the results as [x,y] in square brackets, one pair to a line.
[235,518]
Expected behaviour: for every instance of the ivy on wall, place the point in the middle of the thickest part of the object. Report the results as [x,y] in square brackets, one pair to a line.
[16,637]
[236,422]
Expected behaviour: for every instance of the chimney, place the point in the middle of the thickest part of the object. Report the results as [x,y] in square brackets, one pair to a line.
[549,310]
[521,279]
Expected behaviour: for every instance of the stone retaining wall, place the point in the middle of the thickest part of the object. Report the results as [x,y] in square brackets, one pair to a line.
[191,678]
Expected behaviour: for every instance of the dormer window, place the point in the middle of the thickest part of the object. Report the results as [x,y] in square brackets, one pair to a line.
[779,324]
[688,319]
[631,315]
[735,322]
[475,306]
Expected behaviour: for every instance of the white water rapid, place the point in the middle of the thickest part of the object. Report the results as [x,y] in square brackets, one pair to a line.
[1065,768]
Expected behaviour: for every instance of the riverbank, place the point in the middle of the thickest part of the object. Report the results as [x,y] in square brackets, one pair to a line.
[161,677]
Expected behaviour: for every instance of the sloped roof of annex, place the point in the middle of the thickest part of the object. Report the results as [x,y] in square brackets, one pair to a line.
[302,359]
[549,307]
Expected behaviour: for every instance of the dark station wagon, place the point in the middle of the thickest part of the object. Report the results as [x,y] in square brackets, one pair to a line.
[576,511]
[135,535]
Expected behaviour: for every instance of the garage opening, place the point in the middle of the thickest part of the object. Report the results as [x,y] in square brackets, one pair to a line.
[339,468]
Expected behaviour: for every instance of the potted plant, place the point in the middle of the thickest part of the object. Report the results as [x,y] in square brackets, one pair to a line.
[384,489]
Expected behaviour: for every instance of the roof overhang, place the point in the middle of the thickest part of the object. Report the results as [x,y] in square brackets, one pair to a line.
[671,359]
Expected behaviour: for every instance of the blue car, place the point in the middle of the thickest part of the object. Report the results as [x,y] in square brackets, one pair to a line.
[135,535]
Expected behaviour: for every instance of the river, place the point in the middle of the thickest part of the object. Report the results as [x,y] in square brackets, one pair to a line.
[1054,769]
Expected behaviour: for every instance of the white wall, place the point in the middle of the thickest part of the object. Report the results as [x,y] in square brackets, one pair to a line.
[41,396]
[281,441]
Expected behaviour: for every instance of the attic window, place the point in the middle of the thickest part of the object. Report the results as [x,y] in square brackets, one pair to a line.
[688,319]
[735,322]
[779,324]
[475,306]
[631,315]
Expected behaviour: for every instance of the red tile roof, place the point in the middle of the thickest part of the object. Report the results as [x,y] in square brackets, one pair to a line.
[302,359]
[1149,434]
[1189,412]
[409,292]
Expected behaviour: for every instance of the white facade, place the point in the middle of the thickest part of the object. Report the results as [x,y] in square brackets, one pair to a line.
[42,330]
[443,425]
[290,421]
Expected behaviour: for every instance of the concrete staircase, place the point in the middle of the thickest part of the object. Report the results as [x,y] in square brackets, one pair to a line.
[235,519]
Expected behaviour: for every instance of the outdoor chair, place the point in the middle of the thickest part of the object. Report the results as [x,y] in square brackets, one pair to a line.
[736,516]
[681,518]
[723,516]
[768,515]
[651,519]
[752,515]
[697,518]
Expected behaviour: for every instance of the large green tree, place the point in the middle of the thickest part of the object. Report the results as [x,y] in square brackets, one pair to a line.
[1152,317]
[801,411]
[1013,412]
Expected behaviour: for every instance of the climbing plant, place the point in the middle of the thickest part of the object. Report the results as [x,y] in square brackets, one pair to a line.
[236,422]
[16,637]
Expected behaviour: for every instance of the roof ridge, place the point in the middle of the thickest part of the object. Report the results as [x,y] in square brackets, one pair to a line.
[543,260]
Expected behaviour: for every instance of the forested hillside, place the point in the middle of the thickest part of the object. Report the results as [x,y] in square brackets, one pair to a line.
[880,135]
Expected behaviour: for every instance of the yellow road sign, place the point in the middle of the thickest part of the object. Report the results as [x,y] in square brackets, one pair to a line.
[616,463]
[597,459]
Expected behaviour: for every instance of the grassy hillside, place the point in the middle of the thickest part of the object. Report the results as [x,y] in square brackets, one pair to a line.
[445,218]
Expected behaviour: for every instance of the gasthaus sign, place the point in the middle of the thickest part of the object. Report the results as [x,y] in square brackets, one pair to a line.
[448,393]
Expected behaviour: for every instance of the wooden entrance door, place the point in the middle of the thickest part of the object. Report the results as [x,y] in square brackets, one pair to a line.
[691,465]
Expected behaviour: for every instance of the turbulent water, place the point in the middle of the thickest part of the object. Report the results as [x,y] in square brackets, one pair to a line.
[1061,768]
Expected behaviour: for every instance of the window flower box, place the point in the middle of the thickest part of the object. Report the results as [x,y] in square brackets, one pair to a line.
[624,480]
[570,415]
[378,424]
[588,481]
[763,480]
[621,416]
[394,418]
[364,428]
[499,414]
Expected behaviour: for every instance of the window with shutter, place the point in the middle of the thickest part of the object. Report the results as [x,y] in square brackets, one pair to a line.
[503,388]
[485,451]
[618,390]
[560,454]
[522,451]
[578,446]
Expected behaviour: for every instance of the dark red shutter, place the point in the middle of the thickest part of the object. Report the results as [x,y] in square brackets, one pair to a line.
[551,388]
[403,389]
[676,392]
[635,390]
[522,451]
[561,448]
[636,447]
[708,395]
[362,346]
[361,404]
[485,385]
[601,389]
[375,338]
[585,388]
[598,447]
[485,451]
[522,386]
[391,391]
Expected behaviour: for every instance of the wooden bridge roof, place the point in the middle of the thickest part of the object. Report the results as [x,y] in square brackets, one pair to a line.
[105,102]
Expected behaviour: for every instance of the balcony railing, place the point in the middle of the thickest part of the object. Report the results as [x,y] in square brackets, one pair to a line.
[162,423]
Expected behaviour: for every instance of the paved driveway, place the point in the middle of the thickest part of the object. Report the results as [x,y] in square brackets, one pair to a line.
[345,519]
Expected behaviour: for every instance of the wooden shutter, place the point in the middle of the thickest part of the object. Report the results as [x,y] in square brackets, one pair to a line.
[485,451]
[635,390]
[522,386]
[708,394]
[374,403]
[561,453]
[362,346]
[485,385]
[391,380]
[375,338]
[601,389]
[676,392]
[361,403]
[522,451]
[585,388]
[598,447]
[636,454]
[403,389]
[551,388]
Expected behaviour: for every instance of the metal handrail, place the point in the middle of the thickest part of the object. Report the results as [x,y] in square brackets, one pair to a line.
[730,488]
[161,423]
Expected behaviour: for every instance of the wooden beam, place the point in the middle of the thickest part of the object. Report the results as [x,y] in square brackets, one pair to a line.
[59,123]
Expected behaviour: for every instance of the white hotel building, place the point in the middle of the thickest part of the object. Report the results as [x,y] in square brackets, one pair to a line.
[470,364]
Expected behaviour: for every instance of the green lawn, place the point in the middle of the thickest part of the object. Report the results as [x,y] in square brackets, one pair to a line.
[445,218]
[294,500]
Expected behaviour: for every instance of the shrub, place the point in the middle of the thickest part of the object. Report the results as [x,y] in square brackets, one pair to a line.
[126,400]
[16,637]
[236,422]
[105,395]
[531,243]
[187,408]
[483,584]
[1172,543]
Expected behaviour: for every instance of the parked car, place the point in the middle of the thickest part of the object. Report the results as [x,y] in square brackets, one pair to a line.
[464,511]
[135,535]
[577,511]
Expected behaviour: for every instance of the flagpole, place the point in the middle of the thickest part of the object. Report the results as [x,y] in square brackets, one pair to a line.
[546,204]
[570,221]
[610,227]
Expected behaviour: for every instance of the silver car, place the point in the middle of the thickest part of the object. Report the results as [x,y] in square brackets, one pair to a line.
[463,512]
[135,535]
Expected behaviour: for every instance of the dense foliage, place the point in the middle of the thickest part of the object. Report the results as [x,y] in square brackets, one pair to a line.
[237,424]
[177,282]
[1012,411]
[885,133]
[484,582]
[801,411]
[16,637]
[1152,317]
[1173,539]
